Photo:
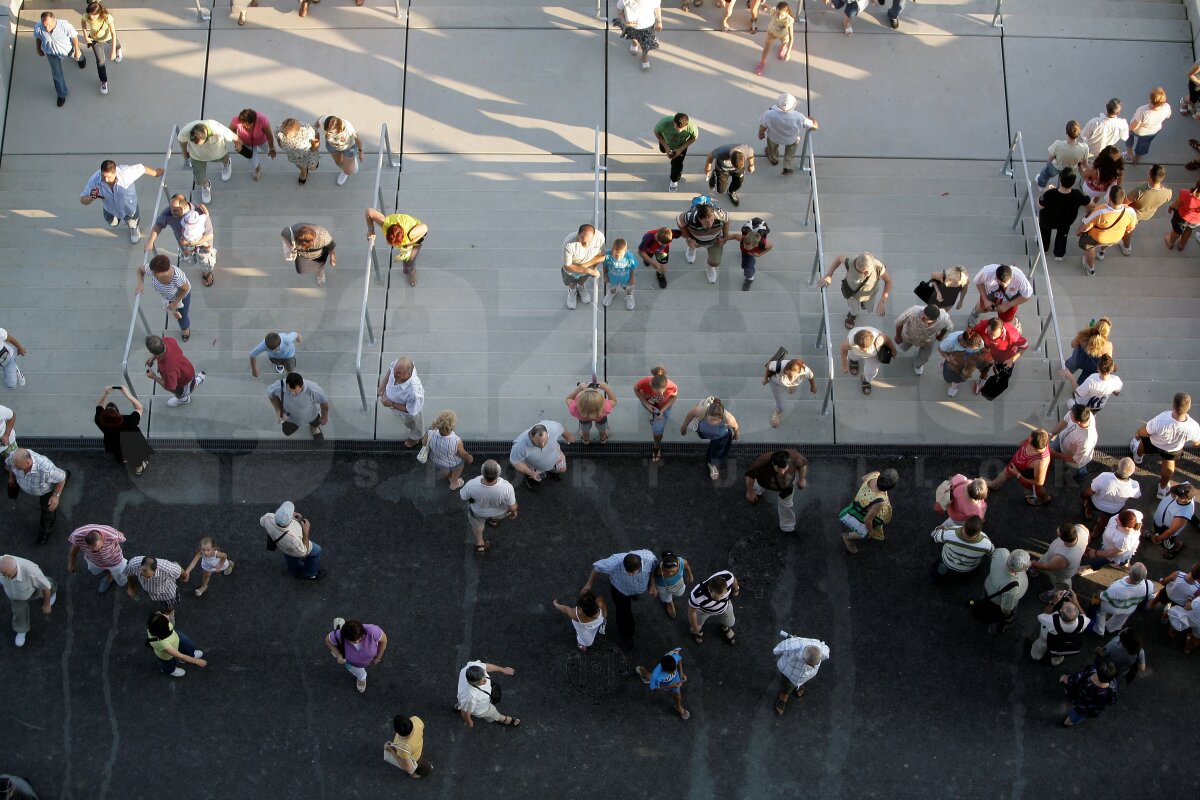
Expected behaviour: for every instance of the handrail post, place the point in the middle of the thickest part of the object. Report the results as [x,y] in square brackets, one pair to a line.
[805,166]
[821,333]
[596,224]
[1020,212]
[828,397]
[1007,171]
[825,334]
[372,266]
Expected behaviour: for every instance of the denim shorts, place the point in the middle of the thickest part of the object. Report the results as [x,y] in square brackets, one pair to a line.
[351,151]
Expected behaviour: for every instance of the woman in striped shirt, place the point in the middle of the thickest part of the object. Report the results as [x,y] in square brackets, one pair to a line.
[172,286]
[446,449]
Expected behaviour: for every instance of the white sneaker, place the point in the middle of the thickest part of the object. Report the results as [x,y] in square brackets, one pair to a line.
[135,235]
[952,390]
[673,186]
[572,296]
[585,296]
[633,48]
[20,640]
[1133,449]
[205,194]
[1161,493]
[200,376]
[119,56]
[919,370]
[198,654]
[227,170]
[175,401]
[179,672]
[342,178]
[629,301]
[712,274]
[115,222]
[53,597]
[690,255]
[608,297]
[20,378]
[645,66]
[1126,251]
[104,88]
[1058,258]
[280,368]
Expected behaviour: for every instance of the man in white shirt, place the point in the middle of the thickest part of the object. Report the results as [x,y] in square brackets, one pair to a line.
[582,251]
[799,661]
[1106,129]
[781,125]
[22,580]
[1118,543]
[536,454]
[1002,289]
[10,348]
[1174,511]
[1073,441]
[475,693]
[8,434]
[1098,387]
[401,391]
[1121,599]
[1109,492]
[643,21]
[490,499]
[1165,436]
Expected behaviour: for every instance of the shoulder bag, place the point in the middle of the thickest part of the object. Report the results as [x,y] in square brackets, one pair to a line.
[996,384]
[985,610]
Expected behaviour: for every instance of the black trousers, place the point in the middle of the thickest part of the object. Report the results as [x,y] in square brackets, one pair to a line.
[726,181]
[1060,236]
[48,517]
[623,604]
[676,163]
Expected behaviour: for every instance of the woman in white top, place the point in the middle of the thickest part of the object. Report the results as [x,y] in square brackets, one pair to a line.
[343,143]
[1099,386]
[861,351]
[1146,123]
[587,617]
[1178,588]
[446,449]
[172,286]
[784,378]
[1122,536]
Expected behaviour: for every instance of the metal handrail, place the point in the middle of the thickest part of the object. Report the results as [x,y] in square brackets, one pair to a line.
[1028,203]
[137,298]
[364,320]
[597,168]
[808,163]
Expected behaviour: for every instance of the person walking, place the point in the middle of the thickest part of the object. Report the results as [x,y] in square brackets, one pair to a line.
[779,29]
[489,499]
[10,348]
[159,579]
[784,378]
[289,533]
[716,425]
[862,353]
[280,349]
[799,661]
[1003,345]
[297,402]
[781,125]
[99,29]
[582,251]
[36,475]
[1173,512]
[1106,171]
[870,510]
[204,141]
[123,437]
[657,394]
[404,233]
[195,240]
[849,9]
[629,577]
[961,498]
[446,449]
[726,168]
[1105,129]
[1004,586]
[865,277]
[675,134]
[101,548]
[667,677]
[171,646]
[1109,492]
[1165,436]
[590,403]
[587,617]
[343,144]
[310,247]
[1058,208]
[407,747]
[255,136]
[113,185]
[922,327]
[671,577]
[705,225]
[963,354]
[1121,599]
[478,694]
[1106,225]
[1003,289]
[211,561]
[240,7]
[1088,346]
[23,580]
[301,144]
[57,39]
[1146,124]
[402,391]
[1095,391]
[171,369]
[712,598]
[1118,543]
[655,251]
[536,453]
[357,646]
[1185,217]
[1146,199]
[964,548]
[1060,563]
[779,473]
[619,266]
[1061,625]
[1090,691]
[641,22]
[1069,153]
[172,287]
[8,434]
[752,242]
[1029,466]
[1073,441]
[945,289]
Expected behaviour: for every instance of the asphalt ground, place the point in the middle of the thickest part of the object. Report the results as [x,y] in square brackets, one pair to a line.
[917,699]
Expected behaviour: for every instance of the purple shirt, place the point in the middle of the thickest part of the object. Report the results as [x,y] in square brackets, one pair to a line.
[367,649]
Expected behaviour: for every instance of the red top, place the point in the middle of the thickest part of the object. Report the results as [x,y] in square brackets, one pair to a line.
[252,135]
[1003,347]
[1189,207]
[173,366]
[644,389]
[1025,462]
[963,507]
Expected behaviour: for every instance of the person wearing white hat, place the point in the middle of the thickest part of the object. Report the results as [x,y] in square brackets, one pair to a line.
[288,532]
[781,125]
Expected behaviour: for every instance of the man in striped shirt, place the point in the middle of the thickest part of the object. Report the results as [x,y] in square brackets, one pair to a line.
[628,577]
[34,474]
[712,598]
[101,546]
[158,578]
[963,548]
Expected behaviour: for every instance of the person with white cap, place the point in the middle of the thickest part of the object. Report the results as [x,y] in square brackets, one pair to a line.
[288,532]
[22,580]
[781,126]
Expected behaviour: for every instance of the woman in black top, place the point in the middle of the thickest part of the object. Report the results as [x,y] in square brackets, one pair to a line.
[122,436]
[945,289]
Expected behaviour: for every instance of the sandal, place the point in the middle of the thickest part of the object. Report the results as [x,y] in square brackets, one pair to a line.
[321,279]
[207,278]
[685,714]
[1037,501]
[853,367]
[510,722]
[242,18]
[483,548]
[604,437]
[200,592]
[729,635]
[412,277]
[1194,143]
[776,416]
[697,636]
[585,439]
[454,487]
[140,468]
[799,692]
[866,388]
[656,454]
[258,172]
[780,706]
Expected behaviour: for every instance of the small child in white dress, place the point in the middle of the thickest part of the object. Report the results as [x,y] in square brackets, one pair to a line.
[211,560]
[587,617]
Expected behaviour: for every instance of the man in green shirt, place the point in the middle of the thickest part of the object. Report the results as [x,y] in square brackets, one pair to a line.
[1146,198]
[675,135]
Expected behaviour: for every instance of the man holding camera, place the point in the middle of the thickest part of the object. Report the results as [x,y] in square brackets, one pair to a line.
[288,532]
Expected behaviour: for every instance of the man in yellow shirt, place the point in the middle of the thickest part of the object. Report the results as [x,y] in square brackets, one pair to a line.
[408,745]
[1105,225]
[403,232]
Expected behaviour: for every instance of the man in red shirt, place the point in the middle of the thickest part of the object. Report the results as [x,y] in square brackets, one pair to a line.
[170,369]
[1003,345]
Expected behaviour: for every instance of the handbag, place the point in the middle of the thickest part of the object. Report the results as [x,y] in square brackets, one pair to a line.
[848,292]
[885,355]
[996,384]
[495,694]
[289,427]
[272,544]
[423,454]
[942,497]
[986,611]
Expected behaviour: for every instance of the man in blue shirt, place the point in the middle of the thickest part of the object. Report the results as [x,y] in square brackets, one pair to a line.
[56,39]
[280,349]
[628,577]
[619,265]
[668,676]
[113,186]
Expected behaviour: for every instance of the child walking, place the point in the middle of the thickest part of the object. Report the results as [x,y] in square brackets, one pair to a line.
[211,560]
[778,29]
[753,243]
[587,617]
[619,265]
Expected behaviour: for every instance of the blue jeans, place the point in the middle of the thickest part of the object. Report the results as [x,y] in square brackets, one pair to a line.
[56,71]
[896,10]
[185,321]
[186,646]
[1140,145]
[132,219]
[1049,171]
[748,266]
[658,423]
[306,567]
[1075,717]
[11,372]
[718,449]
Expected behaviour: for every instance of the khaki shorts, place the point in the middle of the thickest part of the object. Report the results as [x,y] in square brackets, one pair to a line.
[714,253]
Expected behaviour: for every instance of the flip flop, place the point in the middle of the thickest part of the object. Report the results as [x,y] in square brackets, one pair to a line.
[483,548]
[207,278]
[1194,144]
[780,707]
[698,637]
[1036,501]
[729,635]
[656,454]
[512,722]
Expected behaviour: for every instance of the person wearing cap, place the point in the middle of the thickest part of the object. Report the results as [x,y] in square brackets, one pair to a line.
[922,327]
[779,473]
[726,167]
[288,532]
[22,581]
[10,348]
[490,499]
[1061,560]
[781,126]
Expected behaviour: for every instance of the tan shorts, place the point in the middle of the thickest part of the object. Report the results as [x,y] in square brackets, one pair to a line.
[491,715]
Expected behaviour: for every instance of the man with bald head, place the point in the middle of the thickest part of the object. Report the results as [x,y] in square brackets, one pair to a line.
[101,547]
[34,474]
[22,580]
[402,392]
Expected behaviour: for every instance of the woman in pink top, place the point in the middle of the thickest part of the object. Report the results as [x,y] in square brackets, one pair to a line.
[1185,215]
[588,403]
[356,646]
[254,132]
[968,497]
